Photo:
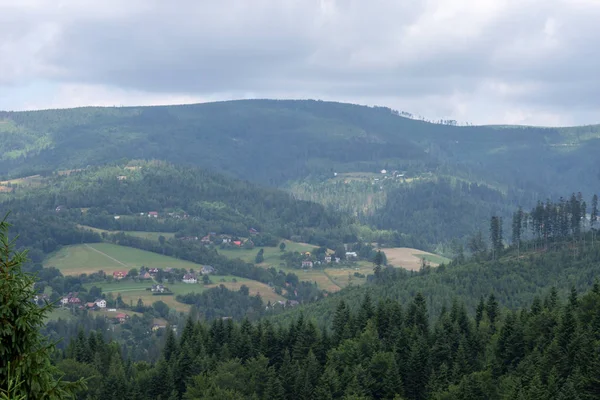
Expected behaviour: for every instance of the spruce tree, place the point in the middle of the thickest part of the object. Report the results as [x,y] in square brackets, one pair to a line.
[274,389]
[25,367]
[492,311]
[479,311]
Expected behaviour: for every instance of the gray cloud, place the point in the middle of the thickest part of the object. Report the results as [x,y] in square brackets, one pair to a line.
[486,61]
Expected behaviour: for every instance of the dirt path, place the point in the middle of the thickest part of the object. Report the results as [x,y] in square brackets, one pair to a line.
[106,255]
[332,280]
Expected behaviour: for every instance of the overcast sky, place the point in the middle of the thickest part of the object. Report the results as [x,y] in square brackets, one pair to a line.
[484,61]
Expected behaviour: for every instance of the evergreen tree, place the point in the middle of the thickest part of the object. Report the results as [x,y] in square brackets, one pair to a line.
[260,256]
[170,349]
[517,229]
[377,264]
[496,236]
[479,312]
[274,389]
[25,368]
[492,310]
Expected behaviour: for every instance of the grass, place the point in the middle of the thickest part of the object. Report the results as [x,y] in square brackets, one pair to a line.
[132,291]
[411,259]
[272,259]
[140,234]
[433,258]
[59,312]
[89,258]
[32,181]
[271,254]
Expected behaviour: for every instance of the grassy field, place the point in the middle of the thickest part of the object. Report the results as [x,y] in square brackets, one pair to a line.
[132,291]
[88,258]
[140,234]
[433,259]
[31,181]
[59,312]
[271,255]
[411,259]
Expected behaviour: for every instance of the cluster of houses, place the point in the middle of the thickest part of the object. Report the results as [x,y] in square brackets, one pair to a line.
[156,214]
[72,299]
[212,238]
[284,304]
[308,263]
[193,278]
[150,273]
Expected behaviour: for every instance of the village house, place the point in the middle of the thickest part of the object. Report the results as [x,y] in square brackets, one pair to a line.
[153,214]
[119,274]
[351,255]
[64,301]
[40,298]
[75,301]
[156,327]
[153,271]
[307,264]
[189,278]
[253,231]
[226,239]
[146,275]
[121,177]
[207,269]
[121,317]
[158,288]
[90,305]
[237,243]
[101,303]
[206,239]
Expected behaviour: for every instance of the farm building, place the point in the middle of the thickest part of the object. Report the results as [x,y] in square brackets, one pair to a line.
[189,278]
[119,274]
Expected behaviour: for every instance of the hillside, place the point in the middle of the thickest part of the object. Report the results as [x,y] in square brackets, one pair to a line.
[274,142]
[514,281]
[187,201]
[329,153]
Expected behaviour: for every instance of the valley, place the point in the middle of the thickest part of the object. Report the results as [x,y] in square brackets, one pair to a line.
[303,247]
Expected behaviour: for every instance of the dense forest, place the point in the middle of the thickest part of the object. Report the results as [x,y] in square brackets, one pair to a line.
[383,350]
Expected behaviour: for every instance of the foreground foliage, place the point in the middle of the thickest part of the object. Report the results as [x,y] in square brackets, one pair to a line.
[25,369]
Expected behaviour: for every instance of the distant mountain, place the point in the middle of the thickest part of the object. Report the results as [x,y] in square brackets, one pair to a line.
[302,145]
[272,142]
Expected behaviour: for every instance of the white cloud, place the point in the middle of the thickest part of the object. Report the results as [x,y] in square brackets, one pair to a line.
[490,61]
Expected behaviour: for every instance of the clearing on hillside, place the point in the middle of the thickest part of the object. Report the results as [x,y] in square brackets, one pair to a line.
[108,257]
[141,234]
[132,291]
[271,255]
[411,259]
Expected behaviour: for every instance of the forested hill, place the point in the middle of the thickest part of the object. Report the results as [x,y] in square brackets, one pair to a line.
[515,279]
[274,142]
[187,202]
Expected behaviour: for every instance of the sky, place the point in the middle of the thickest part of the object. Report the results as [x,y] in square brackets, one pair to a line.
[531,62]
